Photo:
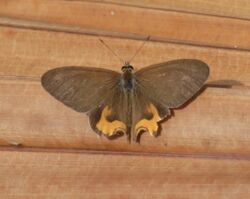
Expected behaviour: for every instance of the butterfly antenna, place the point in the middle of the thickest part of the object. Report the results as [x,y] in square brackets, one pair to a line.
[139,49]
[111,50]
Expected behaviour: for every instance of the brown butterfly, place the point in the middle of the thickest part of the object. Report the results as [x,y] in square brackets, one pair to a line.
[128,102]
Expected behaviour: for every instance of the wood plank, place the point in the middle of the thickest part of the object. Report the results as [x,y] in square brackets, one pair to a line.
[26,52]
[64,175]
[225,8]
[174,26]
[216,123]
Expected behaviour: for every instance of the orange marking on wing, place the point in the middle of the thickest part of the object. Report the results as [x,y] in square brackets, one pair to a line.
[109,128]
[150,125]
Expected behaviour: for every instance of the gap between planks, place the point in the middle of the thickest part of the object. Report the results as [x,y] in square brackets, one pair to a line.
[53,27]
[226,156]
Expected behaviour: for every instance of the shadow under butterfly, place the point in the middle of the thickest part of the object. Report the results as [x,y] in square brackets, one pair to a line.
[130,102]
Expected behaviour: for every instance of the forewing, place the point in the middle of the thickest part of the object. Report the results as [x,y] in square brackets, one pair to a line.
[80,88]
[173,83]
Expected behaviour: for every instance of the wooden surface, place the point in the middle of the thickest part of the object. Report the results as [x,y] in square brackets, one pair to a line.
[172,26]
[49,151]
[206,126]
[221,8]
[69,175]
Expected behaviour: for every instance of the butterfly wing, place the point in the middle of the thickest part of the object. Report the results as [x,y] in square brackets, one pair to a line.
[80,88]
[146,113]
[173,83]
[112,117]
[94,90]
[163,86]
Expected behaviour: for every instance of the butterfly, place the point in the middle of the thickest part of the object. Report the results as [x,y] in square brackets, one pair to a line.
[127,103]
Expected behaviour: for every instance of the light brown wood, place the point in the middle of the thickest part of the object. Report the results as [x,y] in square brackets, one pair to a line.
[52,175]
[32,52]
[226,8]
[216,123]
[174,26]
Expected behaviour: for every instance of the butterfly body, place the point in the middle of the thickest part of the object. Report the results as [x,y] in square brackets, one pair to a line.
[128,102]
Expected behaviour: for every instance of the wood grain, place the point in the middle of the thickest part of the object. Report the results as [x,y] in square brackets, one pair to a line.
[216,123]
[224,8]
[65,175]
[173,26]
[26,52]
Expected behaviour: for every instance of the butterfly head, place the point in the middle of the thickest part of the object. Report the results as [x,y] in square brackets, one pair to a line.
[127,67]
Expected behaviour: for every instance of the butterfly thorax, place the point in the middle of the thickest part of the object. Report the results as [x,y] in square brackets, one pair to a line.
[127,78]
